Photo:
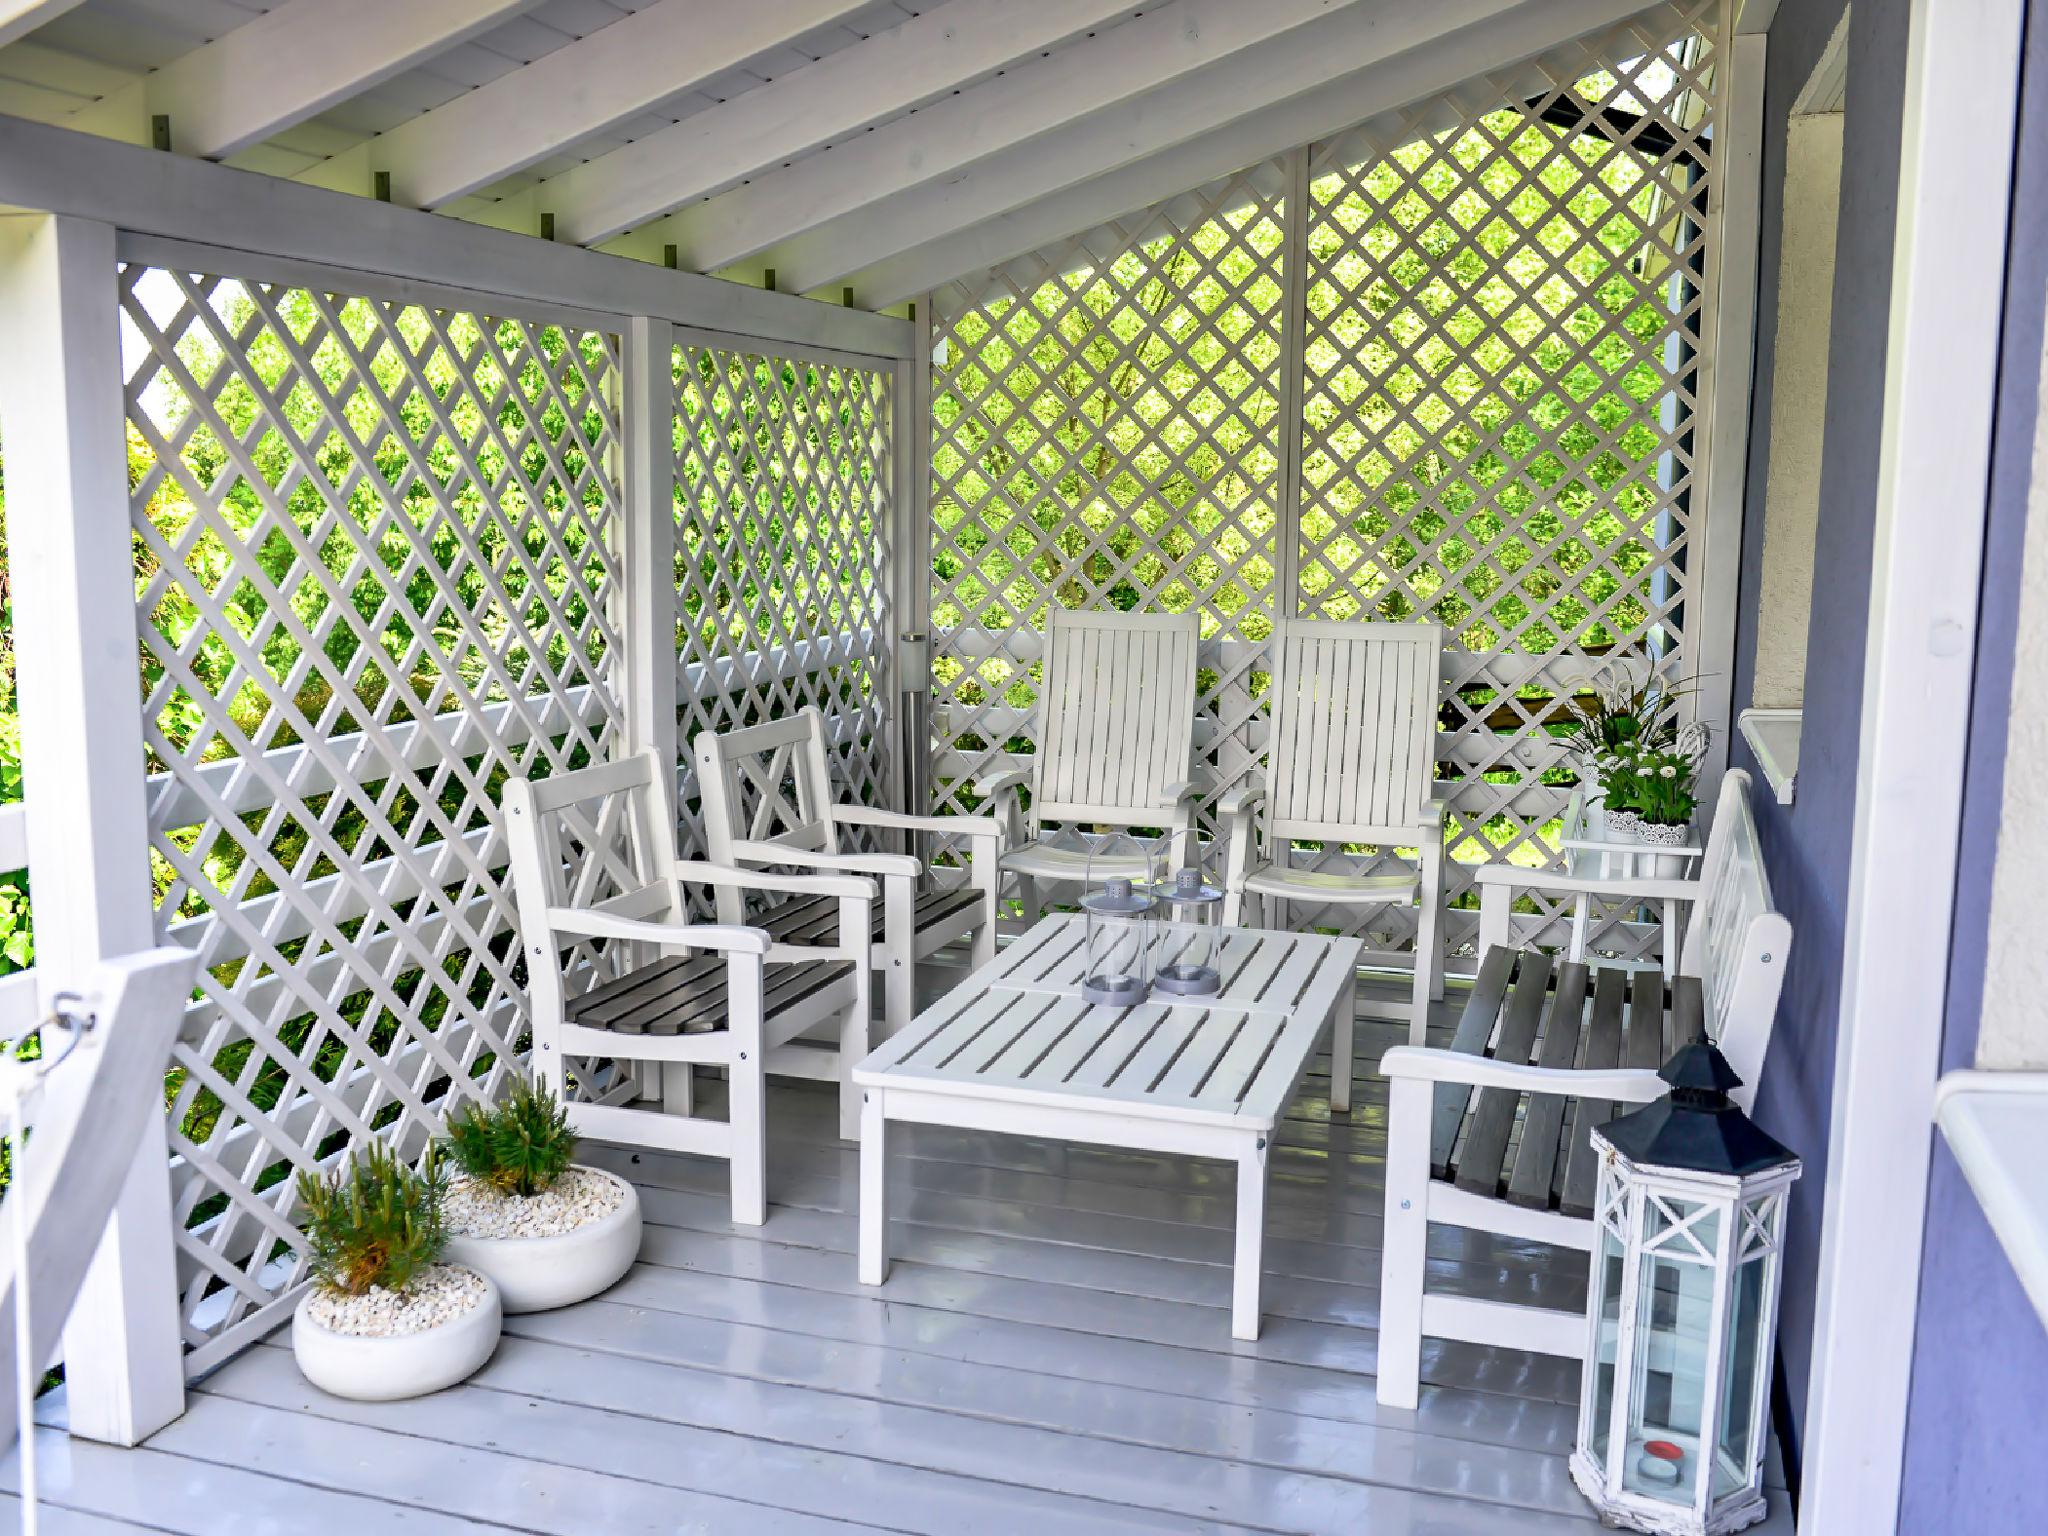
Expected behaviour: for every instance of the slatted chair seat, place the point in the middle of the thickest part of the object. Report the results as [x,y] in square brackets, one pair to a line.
[689,995]
[797,921]
[1535,1149]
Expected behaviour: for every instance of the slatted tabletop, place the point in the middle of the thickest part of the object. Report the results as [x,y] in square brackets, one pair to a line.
[1018,1029]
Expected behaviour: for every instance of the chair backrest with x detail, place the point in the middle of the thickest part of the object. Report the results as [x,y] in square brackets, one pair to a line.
[768,783]
[594,839]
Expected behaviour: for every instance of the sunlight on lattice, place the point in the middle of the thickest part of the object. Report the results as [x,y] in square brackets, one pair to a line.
[376,546]
[1499,396]
[1106,434]
[784,495]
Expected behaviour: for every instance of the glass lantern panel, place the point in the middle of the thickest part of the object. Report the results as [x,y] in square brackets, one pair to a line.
[1745,1372]
[1608,1269]
[1667,1389]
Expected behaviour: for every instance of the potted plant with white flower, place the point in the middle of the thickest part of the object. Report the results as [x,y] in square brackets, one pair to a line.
[385,1317]
[549,1230]
[1617,715]
[1653,795]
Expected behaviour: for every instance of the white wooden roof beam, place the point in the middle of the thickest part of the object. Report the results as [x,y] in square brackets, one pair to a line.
[610,77]
[1254,74]
[1473,39]
[947,47]
[301,58]
[1166,44]
[18,18]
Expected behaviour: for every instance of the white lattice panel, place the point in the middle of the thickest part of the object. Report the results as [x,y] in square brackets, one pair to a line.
[1504,316]
[376,549]
[1106,433]
[1497,347]
[784,496]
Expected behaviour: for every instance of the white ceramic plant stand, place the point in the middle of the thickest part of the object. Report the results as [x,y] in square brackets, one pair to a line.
[1593,853]
[385,1369]
[537,1274]
[1015,1049]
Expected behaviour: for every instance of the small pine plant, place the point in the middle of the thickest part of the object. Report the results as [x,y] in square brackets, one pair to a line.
[374,1222]
[519,1147]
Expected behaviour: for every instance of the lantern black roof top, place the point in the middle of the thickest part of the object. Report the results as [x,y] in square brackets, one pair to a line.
[1696,1126]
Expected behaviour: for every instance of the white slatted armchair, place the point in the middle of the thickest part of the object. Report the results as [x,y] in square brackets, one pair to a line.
[1352,760]
[618,971]
[1116,731]
[1555,1047]
[768,800]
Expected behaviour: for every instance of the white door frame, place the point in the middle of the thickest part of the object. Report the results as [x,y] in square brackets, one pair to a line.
[1941,373]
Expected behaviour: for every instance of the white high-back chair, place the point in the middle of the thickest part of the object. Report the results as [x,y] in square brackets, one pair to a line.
[618,971]
[1352,760]
[768,800]
[1116,732]
[1555,1046]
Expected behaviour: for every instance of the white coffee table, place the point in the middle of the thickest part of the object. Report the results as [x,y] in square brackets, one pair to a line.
[1014,1048]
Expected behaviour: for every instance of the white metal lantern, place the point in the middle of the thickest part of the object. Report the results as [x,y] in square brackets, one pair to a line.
[1682,1308]
[1119,940]
[1189,911]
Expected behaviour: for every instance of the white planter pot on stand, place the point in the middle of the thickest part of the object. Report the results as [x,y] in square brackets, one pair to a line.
[1655,835]
[385,1345]
[562,1262]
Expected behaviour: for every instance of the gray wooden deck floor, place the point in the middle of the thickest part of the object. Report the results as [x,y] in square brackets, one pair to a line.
[1051,1354]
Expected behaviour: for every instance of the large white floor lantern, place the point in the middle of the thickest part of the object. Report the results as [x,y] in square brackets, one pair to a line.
[1682,1307]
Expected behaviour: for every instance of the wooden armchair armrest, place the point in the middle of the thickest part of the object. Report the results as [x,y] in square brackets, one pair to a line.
[1640,888]
[1433,812]
[696,872]
[1433,1064]
[882,865]
[1180,792]
[1241,800]
[952,826]
[1002,781]
[638,930]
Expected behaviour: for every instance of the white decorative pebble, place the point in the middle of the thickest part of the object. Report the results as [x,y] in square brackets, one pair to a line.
[440,1293]
[578,1197]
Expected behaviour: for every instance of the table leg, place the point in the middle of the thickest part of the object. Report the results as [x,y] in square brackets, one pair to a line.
[1340,1044]
[1251,1240]
[874,1192]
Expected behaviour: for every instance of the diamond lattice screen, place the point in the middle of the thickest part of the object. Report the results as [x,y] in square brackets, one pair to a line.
[1503,298]
[1503,320]
[376,546]
[784,495]
[1106,434]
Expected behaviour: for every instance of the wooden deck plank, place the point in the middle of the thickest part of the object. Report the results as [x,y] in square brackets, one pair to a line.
[1602,1048]
[1493,1112]
[1049,1355]
[1475,1029]
[1646,1016]
[518,1406]
[1543,1122]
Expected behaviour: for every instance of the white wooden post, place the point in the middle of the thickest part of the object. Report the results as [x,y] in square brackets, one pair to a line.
[910,564]
[647,620]
[82,759]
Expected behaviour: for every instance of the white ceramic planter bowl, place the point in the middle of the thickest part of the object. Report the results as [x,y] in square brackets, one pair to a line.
[534,1274]
[375,1370]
